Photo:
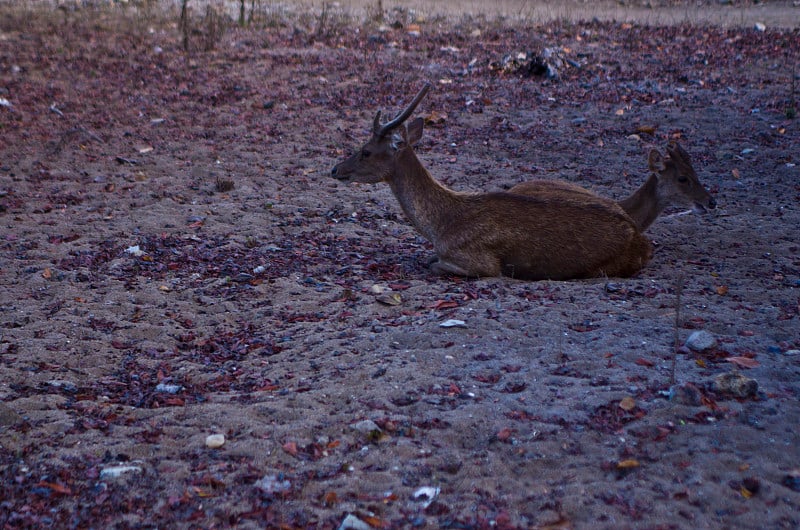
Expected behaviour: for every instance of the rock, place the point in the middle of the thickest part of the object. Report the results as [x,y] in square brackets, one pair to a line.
[453,323]
[351,522]
[168,389]
[792,352]
[117,471]
[366,426]
[686,394]
[760,26]
[391,299]
[273,484]
[215,441]
[701,340]
[736,385]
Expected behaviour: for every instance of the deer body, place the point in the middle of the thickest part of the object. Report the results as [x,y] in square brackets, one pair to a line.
[493,234]
[672,182]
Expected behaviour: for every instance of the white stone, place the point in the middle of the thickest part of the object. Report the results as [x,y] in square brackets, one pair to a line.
[701,340]
[215,441]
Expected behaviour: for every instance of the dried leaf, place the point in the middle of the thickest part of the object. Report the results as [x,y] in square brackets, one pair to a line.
[743,362]
[721,290]
[290,447]
[627,464]
[627,403]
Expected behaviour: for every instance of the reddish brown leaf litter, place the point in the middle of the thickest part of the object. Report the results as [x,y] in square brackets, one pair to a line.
[175,262]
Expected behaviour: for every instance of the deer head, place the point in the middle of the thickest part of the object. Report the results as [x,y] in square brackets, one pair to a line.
[678,184]
[374,161]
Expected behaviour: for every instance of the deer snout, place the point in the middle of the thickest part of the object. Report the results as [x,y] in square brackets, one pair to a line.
[701,207]
[335,172]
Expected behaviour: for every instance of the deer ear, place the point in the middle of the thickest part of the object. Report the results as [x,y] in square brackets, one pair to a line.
[656,162]
[415,131]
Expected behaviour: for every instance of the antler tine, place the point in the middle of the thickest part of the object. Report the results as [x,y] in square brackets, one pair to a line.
[403,116]
[676,151]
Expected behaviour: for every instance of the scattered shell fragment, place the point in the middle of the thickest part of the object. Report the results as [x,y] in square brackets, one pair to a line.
[453,323]
[215,441]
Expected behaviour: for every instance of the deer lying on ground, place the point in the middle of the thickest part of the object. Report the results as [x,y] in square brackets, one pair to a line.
[493,234]
[672,182]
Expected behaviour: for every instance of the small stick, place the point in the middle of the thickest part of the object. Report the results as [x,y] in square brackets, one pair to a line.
[678,293]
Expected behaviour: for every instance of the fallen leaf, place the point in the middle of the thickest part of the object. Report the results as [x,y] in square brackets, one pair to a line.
[504,434]
[627,464]
[646,129]
[47,274]
[290,447]
[644,362]
[721,290]
[330,499]
[735,173]
[627,403]
[743,362]
[57,488]
[444,304]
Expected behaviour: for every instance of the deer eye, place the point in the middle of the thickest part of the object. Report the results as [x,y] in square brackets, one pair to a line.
[683,180]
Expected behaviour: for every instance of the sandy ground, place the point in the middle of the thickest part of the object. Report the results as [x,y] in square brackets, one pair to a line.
[176,262]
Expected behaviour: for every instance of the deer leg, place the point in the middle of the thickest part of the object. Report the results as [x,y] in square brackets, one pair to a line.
[465,268]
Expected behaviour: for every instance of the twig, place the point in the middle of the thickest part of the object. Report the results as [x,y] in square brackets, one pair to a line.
[677,338]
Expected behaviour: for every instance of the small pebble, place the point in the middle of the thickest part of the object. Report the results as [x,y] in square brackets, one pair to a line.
[168,389]
[686,394]
[215,441]
[453,323]
[351,522]
[274,484]
[116,471]
[366,426]
[701,340]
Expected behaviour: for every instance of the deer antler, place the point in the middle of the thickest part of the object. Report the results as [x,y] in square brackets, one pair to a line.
[675,152]
[382,130]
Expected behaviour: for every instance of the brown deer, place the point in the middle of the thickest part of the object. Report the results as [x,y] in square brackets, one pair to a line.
[672,182]
[493,234]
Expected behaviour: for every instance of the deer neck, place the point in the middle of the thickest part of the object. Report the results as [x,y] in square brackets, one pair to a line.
[643,205]
[426,203]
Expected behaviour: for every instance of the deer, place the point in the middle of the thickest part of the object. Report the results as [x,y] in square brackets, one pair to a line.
[477,234]
[672,183]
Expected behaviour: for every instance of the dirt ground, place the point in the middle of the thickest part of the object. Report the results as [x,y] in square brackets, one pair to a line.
[176,262]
